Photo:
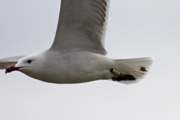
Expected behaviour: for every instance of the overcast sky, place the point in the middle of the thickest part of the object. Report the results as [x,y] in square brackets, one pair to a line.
[136,28]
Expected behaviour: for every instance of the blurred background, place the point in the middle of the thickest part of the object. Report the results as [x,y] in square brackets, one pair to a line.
[136,28]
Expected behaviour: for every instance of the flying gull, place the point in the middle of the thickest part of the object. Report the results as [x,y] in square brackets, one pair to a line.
[77,54]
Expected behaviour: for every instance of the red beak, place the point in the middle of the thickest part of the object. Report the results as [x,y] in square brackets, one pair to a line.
[11,68]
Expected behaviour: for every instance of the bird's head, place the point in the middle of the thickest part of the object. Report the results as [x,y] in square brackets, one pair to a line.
[35,66]
[29,65]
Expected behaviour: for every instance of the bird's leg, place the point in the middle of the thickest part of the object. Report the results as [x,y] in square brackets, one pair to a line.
[115,72]
[120,76]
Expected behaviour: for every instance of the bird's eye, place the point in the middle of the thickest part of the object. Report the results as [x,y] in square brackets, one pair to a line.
[29,61]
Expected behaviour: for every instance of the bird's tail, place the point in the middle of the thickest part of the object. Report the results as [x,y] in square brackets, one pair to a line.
[131,70]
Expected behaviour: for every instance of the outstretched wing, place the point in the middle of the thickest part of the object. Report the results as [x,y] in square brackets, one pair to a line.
[81,26]
[10,61]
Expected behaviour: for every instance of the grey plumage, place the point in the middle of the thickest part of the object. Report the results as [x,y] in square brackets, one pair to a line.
[81,26]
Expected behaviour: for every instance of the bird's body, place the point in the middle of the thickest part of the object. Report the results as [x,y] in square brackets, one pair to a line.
[74,67]
[77,54]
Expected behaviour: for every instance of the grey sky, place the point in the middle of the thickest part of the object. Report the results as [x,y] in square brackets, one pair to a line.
[136,28]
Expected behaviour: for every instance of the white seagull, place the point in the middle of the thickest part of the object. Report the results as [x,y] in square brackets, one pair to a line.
[77,54]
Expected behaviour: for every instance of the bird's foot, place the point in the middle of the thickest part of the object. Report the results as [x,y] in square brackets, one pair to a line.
[120,76]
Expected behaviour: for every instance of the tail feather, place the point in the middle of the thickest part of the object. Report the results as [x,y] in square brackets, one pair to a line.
[137,67]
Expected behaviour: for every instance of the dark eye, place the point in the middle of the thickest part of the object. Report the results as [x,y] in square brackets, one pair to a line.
[29,61]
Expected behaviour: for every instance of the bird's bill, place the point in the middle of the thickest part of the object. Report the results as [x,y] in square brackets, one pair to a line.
[11,68]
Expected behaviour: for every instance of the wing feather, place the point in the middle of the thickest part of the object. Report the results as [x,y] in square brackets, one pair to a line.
[10,61]
[81,26]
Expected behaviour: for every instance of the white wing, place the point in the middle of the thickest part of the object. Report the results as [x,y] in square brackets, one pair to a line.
[81,26]
[10,61]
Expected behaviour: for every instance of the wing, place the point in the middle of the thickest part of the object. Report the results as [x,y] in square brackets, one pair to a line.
[81,26]
[10,61]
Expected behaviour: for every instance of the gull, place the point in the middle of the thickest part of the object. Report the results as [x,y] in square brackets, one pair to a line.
[77,54]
